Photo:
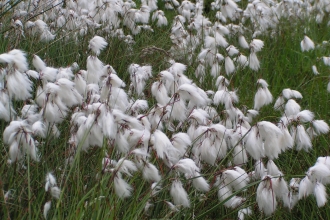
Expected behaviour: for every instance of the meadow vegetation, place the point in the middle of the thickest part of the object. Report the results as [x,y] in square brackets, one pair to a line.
[109,112]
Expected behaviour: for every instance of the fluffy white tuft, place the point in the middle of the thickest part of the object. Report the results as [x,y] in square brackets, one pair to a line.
[200,183]
[38,63]
[307,44]
[55,192]
[96,44]
[305,188]
[150,173]
[254,63]
[47,208]
[179,194]
[320,127]
[320,194]
[256,45]
[122,188]
[242,42]
[229,65]
[266,197]
[314,68]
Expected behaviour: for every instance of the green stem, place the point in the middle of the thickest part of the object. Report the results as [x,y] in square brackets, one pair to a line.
[29,185]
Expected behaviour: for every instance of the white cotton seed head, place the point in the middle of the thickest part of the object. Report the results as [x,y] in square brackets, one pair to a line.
[266,197]
[33,74]
[251,113]
[272,169]
[286,141]
[50,181]
[209,42]
[195,95]
[222,29]
[254,63]
[242,60]
[242,42]
[324,160]
[287,93]
[94,69]
[161,143]
[219,57]
[262,97]
[122,188]
[314,68]
[320,194]
[244,176]
[200,115]
[115,81]
[302,139]
[229,65]
[208,152]
[259,170]
[200,183]
[256,45]
[15,153]
[296,94]
[224,192]
[262,82]
[38,63]
[292,108]
[6,58]
[244,212]
[126,166]
[227,98]
[306,188]
[187,166]
[232,50]
[179,194]
[294,184]
[326,61]
[220,40]
[138,106]
[234,179]
[181,141]
[268,130]
[96,44]
[19,60]
[215,69]
[305,116]
[12,128]
[319,172]
[281,190]
[47,208]
[239,155]
[177,68]
[48,74]
[279,103]
[55,192]
[19,86]
[234,202]
[307,44]
[253,144]
[290,93]
[150,173]
[172,206]
[320,127]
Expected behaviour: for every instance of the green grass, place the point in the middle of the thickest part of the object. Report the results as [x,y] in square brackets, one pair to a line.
[88,192]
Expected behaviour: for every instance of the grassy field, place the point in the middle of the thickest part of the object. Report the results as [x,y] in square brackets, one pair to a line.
[87,191]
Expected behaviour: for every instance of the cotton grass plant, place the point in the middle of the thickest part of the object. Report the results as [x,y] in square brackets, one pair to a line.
[222,117]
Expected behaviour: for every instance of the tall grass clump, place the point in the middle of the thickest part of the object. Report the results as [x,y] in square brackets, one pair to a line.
[115,109]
